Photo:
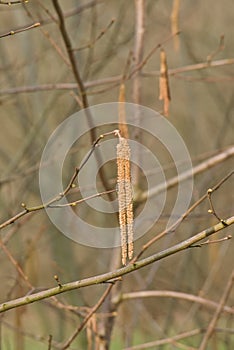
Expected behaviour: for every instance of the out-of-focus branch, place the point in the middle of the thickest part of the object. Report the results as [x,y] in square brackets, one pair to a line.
[9,3]
[59,86]
[174,22]
[98,37]
[112,275]
[207,164]
[138,49]
[177,295]
[149,55]
[192,67]
[114,79]
[67,344]
[49,38]
[173,340]
[217,313]
[136,82]
[182,217]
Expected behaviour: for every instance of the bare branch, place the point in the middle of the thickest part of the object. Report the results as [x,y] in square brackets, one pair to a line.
[173,226]
[109,276]
[99,36]
[20,30]
[172,340]
[9,3]
[59,196]
[209,163]
[71,54]
[88,316]
[193,67]
[173,294]
[219,309]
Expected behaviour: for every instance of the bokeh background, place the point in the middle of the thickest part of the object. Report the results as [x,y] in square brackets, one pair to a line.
[38,91]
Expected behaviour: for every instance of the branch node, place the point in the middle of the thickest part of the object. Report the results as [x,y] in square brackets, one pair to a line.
[58,281]
[224,224]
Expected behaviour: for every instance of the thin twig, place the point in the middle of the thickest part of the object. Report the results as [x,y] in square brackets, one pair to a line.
[181,218]
[9,3]
[20,30]
[80,86]
[74,203]
[138,48]
[49,38]
[88,316]
[50,342]
[216,315]
[192,67]
[115,79]
[219,49]
[150,54]
[226,238]
[138,53]
[112,275]
[212,209]
[172,340]
[15,263]
[59,196]
[208,163]
[99,36]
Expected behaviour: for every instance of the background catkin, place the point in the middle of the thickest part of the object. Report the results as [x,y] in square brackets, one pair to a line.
[125,198]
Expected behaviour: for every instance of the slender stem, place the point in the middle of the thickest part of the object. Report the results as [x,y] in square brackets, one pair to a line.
[217,313]
[20,30]
[71,53]
[88,316]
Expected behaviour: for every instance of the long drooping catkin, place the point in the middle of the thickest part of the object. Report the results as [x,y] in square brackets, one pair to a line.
[125,199]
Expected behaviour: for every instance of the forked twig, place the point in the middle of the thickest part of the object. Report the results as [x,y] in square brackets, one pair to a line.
[181,218]
[59,196]
[88,316]
[212,210]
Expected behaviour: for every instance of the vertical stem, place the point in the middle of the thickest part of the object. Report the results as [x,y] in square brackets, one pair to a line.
[216,315]
[138,48]
[138,56]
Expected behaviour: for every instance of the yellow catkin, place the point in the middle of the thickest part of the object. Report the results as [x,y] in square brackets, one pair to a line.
[125,199]
[164,88]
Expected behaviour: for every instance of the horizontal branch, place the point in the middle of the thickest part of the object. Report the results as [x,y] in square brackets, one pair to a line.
[175,338]
[107,277]
[58,86]
[208,163]
[177,295]
[109,80]
[9,3]
[193,67]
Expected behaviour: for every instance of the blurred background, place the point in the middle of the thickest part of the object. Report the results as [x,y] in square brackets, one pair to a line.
[38,91]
